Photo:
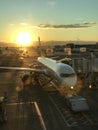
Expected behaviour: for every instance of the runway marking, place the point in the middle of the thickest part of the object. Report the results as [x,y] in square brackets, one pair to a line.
[40,116]
[18,103]
[88,118]
[37,110]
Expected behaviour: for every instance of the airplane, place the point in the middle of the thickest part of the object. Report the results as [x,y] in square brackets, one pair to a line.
[61,72]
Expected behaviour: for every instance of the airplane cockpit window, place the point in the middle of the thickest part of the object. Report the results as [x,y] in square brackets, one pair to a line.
[67,75]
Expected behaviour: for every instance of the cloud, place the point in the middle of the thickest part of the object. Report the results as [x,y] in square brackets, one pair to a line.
[90,23]
[23,24]
[67,26]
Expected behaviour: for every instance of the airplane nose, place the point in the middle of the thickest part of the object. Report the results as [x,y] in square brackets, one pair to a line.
[70,81]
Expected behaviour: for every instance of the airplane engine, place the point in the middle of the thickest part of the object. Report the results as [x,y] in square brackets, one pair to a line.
[26,79]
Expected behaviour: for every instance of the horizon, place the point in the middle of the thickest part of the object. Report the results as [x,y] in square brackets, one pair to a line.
[49,43]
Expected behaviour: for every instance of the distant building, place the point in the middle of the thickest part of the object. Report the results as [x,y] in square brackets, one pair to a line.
[49,51]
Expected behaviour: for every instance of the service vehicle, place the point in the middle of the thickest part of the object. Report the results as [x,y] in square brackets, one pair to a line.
[77,103]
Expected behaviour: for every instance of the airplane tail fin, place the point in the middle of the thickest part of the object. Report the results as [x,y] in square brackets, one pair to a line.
[41,51]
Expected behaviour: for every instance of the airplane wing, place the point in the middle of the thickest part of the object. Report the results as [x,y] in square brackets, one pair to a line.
[23,69]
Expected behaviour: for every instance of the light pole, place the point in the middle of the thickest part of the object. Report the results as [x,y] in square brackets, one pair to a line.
[92,65]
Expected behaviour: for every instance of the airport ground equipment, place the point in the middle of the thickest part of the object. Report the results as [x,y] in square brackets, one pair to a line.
[77,103]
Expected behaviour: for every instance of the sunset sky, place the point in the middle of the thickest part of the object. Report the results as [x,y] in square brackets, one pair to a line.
[60,20]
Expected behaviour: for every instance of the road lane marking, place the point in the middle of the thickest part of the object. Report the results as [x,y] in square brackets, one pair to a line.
[88,118]
[18,103]
[40,116]
[37,109]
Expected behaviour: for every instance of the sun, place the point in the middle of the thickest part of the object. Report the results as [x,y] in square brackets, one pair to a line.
[24,38]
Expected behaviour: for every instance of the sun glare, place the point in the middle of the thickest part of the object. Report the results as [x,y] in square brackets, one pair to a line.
[24,38]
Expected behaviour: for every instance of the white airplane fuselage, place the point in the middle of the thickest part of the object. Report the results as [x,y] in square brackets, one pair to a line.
[63,73]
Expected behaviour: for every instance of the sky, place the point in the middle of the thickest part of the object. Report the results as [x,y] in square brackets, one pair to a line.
[57,20]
